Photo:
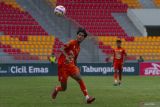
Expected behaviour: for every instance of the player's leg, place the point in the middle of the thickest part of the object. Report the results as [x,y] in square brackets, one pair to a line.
[62,87]
[76,76]
[120,77]
[81,83]
[120,74]
[62,76]
[115,76]
[115,73]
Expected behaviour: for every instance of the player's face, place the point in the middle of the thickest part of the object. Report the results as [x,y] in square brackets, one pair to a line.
[80,37]
[118,44]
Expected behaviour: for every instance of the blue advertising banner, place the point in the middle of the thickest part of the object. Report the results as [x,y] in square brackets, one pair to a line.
[47,69]
[31,69]
[107,69]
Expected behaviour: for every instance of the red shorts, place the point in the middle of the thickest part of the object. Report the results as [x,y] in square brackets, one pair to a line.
[118,66]
[66,70]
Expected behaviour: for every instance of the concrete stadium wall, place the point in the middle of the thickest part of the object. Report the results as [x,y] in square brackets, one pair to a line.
[137,22]
[144,17]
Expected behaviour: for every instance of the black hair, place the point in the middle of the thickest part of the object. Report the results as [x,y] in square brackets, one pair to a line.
[83,31]
[119,41]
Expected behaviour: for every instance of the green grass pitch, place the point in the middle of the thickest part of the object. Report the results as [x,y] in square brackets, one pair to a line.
[35,92]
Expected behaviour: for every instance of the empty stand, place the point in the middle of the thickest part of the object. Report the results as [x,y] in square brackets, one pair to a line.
[157,2]
[31,48]
[132,3]
[13,3]
[147,47]
[95,15]
[14,21]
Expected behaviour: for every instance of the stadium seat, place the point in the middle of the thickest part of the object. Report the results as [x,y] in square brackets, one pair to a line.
[34,46]
[157,3]
[12,3]
[132,3]
[16,21]
[141,46]
[95,15]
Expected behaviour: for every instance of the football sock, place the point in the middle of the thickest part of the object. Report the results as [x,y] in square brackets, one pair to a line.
[115,77]
[120,75]
[87,97]
[83,87]
[115,81]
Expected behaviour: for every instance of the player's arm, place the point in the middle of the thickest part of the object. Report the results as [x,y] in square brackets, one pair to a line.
[113,55]
[63,48]
[125,56]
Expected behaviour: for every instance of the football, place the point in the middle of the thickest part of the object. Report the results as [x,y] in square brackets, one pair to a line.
[59,10]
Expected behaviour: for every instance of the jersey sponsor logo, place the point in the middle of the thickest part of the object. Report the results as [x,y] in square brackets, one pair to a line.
[118,55]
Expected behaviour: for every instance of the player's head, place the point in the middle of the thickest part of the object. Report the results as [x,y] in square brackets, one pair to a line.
[81,34]
[118,43]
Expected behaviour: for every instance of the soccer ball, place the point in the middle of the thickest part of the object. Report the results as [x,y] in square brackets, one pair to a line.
[60,10]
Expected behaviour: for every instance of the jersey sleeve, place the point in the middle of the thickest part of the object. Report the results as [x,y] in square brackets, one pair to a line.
[69,44]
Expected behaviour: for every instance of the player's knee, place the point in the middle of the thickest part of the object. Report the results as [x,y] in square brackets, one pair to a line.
[64,88]
[79,79]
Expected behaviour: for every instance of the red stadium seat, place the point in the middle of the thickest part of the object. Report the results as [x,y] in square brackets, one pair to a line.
[16,20]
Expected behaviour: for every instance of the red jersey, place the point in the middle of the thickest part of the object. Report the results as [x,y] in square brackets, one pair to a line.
[119,54]
[73,46]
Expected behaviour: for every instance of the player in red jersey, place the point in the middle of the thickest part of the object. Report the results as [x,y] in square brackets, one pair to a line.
[67,66]
[119,57]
